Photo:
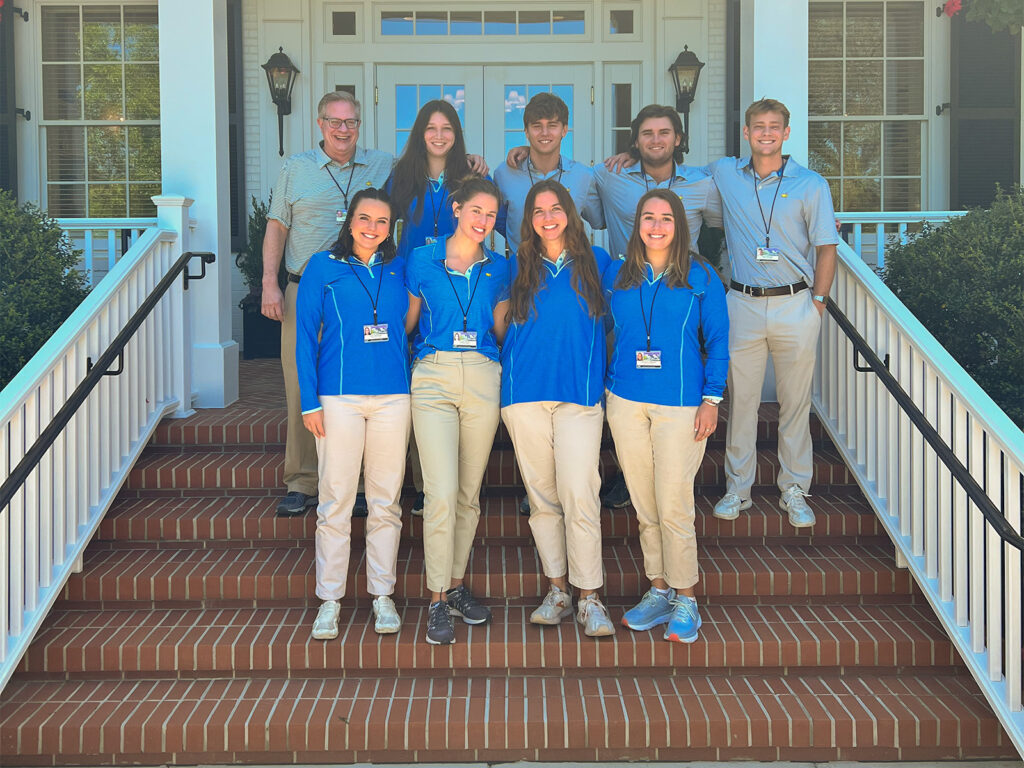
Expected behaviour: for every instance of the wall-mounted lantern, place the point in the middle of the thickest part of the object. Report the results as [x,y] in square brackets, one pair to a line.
[685,71]
[281,77]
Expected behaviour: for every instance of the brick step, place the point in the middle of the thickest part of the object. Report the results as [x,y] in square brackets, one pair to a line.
[255,576]
[264,470]
[217,642]
[217,521]
[239,425]
[811,716]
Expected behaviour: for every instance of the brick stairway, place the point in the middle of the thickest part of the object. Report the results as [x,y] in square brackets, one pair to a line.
[185,639]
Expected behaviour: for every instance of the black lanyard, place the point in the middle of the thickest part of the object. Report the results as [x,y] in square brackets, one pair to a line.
[557,181]
[649,323]
[345,191]
[373,301]
[465,310]
[643,174]
[434,208]
[771,211]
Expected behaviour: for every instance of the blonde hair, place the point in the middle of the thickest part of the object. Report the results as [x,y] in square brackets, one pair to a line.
[333,96]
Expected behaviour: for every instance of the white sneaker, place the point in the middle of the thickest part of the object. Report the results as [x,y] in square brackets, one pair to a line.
[325,627]
[557,605]
[729,506]
[800,514]
[386,620]
[594,617]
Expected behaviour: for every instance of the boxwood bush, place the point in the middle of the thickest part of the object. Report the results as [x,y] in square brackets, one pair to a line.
[964,281]
[40,284]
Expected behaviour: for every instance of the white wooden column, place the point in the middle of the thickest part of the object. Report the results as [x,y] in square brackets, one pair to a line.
[774,42]
[194,162]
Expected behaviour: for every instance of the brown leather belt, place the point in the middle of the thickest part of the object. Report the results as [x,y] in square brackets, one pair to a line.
[294,278]
[759,293]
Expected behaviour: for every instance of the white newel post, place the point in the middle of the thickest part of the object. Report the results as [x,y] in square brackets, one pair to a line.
[194,161]
[172,212]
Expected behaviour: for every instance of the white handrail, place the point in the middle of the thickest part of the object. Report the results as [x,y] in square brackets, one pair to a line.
[47,525]
[878,220]
[103,236]
[972,580]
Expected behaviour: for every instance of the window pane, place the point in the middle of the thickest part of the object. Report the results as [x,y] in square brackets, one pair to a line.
[405,106]
[142,86]
[144,152]
[103,92]
[107,200]
[65,200]
[456,96]
[431,22]
[139,199]
[499,22]
[60,30]
[823,142]
[825,36]
[466,22]
[825,87]
[568,22]
[621,141]
[396,22]
[141,39]
[904,87]
[904,29]
[101,33]
[343,23]
[564,92]
[902,149]
[567,145]
[864,29]
[65,153]
[621,23]
[107,157]
[862,149]
[835,188]
[535,22]
[515,103]
[864,87]
[862,195]
[429,93]
[902,194]
[622,104]
[401,137]
[62,92]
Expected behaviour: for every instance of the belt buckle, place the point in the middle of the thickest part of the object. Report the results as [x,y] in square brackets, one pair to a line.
[757,292]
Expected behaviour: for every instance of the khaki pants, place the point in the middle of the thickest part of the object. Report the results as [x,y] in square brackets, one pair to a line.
[300,458]
[455,404]
[558,447]
[659,459]
[370,429]
[787,328]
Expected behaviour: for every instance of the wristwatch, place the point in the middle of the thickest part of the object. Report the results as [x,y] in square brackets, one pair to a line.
[820,298]
[712,399]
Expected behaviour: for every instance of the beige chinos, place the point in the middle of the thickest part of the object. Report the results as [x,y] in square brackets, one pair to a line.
[455,407]
[786,327]
[372,430]
[300,454]
[558,447]
[659,459]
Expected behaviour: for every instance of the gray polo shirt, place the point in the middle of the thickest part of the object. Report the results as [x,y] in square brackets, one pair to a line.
[307,200]
[620,192]
[803,218]
[515,183]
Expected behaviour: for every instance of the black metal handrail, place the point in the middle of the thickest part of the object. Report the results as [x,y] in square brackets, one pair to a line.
[974,491]
[97,371]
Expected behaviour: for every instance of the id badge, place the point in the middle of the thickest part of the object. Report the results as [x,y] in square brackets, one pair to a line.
[648,358]
[464,339]
[429,240]
[374,333]
[339,215]
[768,254]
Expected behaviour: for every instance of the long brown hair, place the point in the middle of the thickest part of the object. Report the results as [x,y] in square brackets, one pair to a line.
[678,270]
[585,278]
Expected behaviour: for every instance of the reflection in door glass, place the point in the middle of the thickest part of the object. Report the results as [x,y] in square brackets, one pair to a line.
[516,97]
[409,99]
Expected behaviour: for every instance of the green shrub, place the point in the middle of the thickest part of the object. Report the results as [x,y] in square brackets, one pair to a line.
[250,260]
[40,284]
[964,281]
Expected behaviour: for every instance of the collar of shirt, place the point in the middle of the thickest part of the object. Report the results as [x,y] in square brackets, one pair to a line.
[469,271]
[791,167]
[436,184]
[359,157]
[651,277]
[528,166]
[559,262]
[678,172]
[355,261]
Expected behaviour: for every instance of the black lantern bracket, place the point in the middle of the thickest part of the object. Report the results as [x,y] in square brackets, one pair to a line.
[281,79]
[685,71]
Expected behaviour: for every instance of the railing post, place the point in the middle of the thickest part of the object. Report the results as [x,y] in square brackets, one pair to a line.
[172,214]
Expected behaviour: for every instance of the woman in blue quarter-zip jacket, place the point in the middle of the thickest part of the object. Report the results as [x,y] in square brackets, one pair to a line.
[353,363]
[552,379]
[663,396]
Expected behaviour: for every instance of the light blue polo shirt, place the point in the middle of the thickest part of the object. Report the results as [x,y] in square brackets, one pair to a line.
[447,293]
[515,183]
[802,219]
[674,316]
[335,301]
[620,192]
[558,353]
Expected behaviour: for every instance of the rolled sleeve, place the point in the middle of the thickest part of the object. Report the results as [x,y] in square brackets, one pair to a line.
[281,198]
[821,217]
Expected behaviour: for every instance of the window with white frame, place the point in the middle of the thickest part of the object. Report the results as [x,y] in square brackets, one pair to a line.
[866,101]
[100,122]
[468,22]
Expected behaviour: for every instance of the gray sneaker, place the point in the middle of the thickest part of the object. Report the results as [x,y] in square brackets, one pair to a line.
[557,605]
[729,506]
[440,627]
[385,616]
[462,603]
[594,617]
[800,514]
[295,503]
[325,626]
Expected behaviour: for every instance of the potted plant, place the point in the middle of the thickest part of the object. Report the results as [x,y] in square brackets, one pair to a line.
[261,336]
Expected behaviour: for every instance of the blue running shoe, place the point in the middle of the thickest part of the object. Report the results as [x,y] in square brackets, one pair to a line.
[652,610]
[685,621]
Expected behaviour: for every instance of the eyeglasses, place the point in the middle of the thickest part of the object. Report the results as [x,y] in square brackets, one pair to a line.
[351,124]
